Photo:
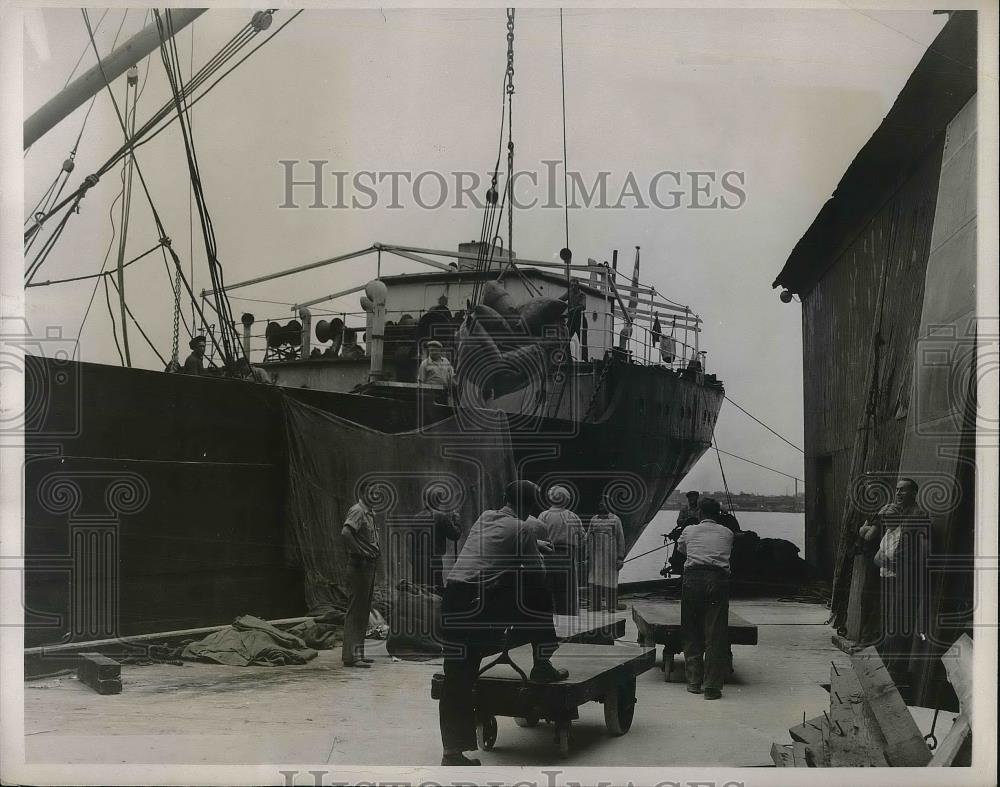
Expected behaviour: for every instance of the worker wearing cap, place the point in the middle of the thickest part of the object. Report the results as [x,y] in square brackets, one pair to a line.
[564,530]
[436,369]
[195,362]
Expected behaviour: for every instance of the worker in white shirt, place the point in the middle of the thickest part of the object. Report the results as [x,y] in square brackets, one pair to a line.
[705,600]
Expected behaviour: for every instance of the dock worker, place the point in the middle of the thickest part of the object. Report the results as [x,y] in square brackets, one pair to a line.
[497,581]
[195,362]
[705,600]
[688,515]
[605,558]
[564,530]
[902,529]
[436,369]
[351,349]
[361,540]
[428,558]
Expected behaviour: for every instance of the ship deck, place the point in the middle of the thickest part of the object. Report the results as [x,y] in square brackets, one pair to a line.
[322,712]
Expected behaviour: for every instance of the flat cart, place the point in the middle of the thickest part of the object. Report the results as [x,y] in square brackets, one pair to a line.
[595,628]
[597,673]
[660,624]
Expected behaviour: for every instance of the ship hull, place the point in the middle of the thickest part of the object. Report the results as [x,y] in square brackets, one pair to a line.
[158,501]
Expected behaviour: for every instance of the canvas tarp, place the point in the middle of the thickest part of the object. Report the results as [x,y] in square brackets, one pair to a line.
[463,468]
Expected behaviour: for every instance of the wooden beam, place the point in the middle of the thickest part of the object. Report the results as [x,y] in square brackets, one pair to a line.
[853,742]
[948,750]
[811,731]
[904,744]
[782,755]
[958,665]
[800,758]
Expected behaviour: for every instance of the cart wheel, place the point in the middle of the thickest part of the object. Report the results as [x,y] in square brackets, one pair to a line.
[486,733]
[668,666]
[562,738]
[526,721]
[619,708]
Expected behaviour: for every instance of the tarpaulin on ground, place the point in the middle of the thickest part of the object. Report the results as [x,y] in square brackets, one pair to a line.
[463,465]
[250,640]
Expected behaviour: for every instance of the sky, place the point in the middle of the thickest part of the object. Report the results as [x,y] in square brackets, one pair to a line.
[786,98]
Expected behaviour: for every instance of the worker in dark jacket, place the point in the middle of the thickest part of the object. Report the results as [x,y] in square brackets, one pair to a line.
[195,362]
[705,600]
[497,582]
[434,528]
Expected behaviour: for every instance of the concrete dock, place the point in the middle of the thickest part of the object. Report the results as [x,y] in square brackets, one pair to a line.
[322,712]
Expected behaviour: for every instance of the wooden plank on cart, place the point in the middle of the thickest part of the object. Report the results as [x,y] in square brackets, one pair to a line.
[661,622]
[904,744]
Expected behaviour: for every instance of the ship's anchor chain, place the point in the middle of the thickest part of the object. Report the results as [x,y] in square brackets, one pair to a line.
[597,388]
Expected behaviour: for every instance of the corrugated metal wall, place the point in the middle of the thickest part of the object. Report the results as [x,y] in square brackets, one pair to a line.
[838,326]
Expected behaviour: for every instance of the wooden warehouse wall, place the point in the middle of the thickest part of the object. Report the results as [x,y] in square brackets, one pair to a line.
[838,325]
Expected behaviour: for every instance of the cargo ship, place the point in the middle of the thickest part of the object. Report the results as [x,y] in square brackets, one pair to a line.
[158,501]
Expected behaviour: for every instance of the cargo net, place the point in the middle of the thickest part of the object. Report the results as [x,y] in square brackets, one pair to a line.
[454,466]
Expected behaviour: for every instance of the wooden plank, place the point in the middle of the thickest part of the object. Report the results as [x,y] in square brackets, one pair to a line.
[852,742]
[663,621]
[782,755]
[799,757]
[949,748]
[904,744]
[811,731]
[99,672]
[957,662]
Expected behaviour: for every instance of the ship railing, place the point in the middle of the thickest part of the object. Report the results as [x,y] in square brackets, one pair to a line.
[640,345]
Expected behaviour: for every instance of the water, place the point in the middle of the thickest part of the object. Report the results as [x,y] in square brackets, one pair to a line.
[766,524]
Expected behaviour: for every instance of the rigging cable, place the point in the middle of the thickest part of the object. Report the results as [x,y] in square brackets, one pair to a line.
[91,275]
[52,195]
[129,147]
[725,485]
[228,51]
[111,316]
[763,424]
[141,331]
[107,254]
[231,346]
[128,169]
[562,72]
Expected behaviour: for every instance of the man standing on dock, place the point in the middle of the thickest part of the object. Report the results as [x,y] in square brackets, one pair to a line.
[564,531]
[903,530]
[605,558]
[497,582]
[361,539]
[705,600]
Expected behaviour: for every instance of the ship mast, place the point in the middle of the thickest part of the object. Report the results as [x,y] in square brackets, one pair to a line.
[107,69]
